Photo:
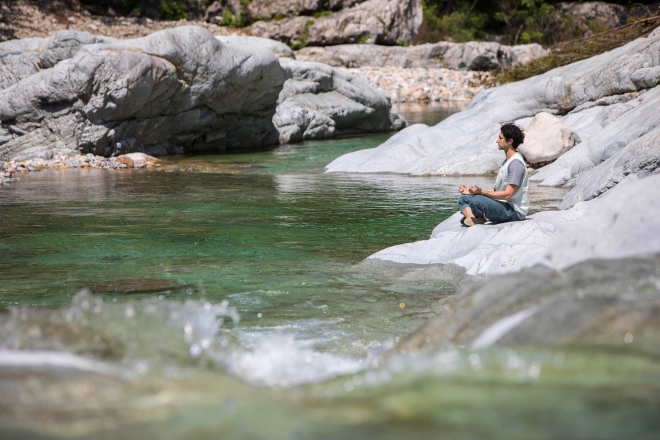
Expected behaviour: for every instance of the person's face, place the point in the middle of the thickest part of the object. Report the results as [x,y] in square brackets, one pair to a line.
[502,142]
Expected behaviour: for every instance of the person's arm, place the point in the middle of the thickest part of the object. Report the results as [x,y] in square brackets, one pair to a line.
[499,195]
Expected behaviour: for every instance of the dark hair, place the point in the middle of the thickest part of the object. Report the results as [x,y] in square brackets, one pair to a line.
[512,131]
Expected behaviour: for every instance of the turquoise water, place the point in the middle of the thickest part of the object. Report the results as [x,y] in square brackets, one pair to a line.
[227,299]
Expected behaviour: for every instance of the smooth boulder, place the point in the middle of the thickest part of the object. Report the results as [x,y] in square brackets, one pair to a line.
[546,138]
[321,102]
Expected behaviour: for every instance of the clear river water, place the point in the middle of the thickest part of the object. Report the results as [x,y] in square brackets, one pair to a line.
[224,296]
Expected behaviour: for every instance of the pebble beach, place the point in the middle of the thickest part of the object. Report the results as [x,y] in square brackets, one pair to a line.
[424,84]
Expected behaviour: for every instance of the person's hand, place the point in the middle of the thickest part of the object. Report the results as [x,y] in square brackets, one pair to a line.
[475,190]
[464,189]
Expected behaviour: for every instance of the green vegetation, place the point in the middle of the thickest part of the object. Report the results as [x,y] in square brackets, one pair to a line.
[402,42]
[507,21]
[320,14]
[302,40]
[363,39]
[171,11]
[233,21]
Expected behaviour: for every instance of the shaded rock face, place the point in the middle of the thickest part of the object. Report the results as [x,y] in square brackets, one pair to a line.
[471,56]
[320,102]
[373,21]
[174,91]
[588,16]
[610,101]
[595,301]
[546,138]
[266,9]
[623,223]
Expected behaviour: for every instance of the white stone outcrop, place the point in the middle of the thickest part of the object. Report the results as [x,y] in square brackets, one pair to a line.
[610,101]
[321,102]
[175,91]
[623,223]
[546,138]
[470,56]
[372,21]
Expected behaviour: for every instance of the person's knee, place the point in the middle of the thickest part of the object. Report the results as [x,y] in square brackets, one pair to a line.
[464,199]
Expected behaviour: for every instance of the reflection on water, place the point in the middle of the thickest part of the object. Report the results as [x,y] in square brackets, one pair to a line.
[429,113]
[229,300]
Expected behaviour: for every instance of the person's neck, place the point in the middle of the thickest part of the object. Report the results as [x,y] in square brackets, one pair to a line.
[509,153]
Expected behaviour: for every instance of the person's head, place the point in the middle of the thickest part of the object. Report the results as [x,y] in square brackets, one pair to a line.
[510,134]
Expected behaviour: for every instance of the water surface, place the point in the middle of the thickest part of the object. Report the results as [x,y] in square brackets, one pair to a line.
[226,299]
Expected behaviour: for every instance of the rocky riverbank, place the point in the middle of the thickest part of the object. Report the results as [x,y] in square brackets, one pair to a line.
[608,137]
[424,84]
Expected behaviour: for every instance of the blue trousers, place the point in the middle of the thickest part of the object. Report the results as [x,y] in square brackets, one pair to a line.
[493,210]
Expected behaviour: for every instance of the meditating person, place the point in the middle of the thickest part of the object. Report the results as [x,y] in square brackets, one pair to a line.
[509,200]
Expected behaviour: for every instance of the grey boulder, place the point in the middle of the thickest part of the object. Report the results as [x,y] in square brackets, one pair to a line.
[321,102]
[471,56]
[173,91]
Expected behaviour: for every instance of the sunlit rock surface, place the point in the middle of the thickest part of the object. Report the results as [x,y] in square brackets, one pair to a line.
[609,101]
[173,91]
[278,48]
[623,223]
[546,138]
[321,102]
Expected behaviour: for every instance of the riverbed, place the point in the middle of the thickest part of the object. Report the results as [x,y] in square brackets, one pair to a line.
[225,296]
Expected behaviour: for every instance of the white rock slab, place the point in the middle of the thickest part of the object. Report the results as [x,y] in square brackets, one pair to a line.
[623,223]
[464,143]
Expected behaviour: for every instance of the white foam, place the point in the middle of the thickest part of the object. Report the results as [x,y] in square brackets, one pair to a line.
[279,361]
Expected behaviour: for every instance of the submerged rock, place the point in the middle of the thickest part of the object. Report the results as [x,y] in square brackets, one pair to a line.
[602,301]
[173,91]
[372,21]
[623,223]
[609,101]
[470,56]
[321,102]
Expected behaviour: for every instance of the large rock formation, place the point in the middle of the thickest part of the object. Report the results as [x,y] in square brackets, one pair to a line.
[610,101]
[471,56]
[373,21]
[620,224]
[176,90]
[320,102]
